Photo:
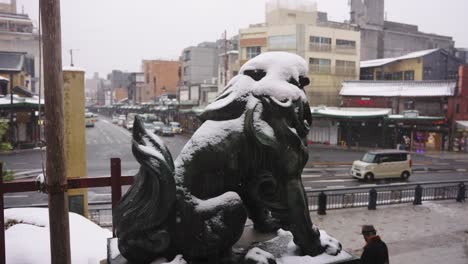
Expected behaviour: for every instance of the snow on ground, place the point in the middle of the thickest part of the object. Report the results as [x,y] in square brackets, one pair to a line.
[88,240]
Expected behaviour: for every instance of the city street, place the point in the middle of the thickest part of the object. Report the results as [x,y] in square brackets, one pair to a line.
[328,167]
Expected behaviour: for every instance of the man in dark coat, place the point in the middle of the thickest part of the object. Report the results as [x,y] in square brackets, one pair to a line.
[375,251]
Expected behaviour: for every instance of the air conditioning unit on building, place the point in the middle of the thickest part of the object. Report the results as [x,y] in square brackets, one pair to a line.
[411,113]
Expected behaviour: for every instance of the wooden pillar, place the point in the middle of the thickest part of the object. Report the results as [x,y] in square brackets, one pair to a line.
[75,136]
[55,164]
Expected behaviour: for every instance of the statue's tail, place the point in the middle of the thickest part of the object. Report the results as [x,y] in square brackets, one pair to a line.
[141,217]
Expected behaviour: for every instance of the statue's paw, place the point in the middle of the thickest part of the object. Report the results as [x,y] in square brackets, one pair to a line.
[330,245]
[258,256]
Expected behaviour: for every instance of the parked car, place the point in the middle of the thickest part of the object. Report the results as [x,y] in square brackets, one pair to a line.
[130,120]
[121,121]
[176,127]
[158,126]
[149,126]
[383,164]
[89,120]
[166,131]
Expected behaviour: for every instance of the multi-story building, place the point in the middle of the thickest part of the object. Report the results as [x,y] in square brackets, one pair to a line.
[161,77]
[387,39]
[92,86]
[200,64]
[17,34]
[199,74]
[434,64]
[332,49]
[136,90]
[119,83]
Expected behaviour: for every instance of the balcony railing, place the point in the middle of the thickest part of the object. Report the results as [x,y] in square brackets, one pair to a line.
[320,47]
[320,69]
[345,49]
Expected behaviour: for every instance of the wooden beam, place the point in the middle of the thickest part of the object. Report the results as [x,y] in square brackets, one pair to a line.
[54,128]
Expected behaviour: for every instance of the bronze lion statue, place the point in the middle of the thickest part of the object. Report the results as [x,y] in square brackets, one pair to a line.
[245,160]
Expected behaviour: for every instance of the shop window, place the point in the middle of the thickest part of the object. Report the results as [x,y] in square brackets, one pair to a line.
[409,105]
[397,76]
[378,75]
[388,76]
[366,74]
[427,71]
[409,75]
[452,75]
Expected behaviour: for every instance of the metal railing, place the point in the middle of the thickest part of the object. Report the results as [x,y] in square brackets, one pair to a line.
[321,200]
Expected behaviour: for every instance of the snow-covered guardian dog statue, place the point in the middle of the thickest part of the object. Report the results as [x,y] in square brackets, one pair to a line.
[245,160]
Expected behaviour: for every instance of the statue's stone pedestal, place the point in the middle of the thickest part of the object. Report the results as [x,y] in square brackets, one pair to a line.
[279,245]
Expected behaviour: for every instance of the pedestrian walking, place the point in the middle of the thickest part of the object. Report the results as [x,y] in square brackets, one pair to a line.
[375,250]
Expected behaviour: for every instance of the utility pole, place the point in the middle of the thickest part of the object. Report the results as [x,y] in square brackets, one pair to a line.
[55,163]
[225,58]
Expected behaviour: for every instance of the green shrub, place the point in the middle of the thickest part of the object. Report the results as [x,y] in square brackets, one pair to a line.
[4,146]
[8,175]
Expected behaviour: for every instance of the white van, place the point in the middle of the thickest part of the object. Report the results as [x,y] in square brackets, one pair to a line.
[382,164]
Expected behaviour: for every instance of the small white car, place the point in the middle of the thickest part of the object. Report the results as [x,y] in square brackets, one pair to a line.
[382,164]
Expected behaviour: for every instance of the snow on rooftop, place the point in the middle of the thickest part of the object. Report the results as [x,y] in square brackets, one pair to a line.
[73,68]
[350,111]
[462,124]
[19,100]
[398,88]
[28,241]
[382,62]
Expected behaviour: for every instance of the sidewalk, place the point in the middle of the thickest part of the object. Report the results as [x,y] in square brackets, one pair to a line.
[435,232]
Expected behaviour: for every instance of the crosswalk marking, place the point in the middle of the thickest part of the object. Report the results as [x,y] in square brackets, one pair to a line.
[335,186]
[325,181]
[367,185]
[311,176]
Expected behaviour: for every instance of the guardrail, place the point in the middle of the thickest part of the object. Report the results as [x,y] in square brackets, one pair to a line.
[321,200]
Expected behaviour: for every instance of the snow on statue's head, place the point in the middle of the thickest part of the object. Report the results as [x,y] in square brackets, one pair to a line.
[278,76]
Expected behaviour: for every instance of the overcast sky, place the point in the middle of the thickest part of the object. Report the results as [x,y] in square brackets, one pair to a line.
[118,34]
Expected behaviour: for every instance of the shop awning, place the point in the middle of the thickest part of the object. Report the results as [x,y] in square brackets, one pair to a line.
[350,112]
[462,124]
[19,102]
[421,118]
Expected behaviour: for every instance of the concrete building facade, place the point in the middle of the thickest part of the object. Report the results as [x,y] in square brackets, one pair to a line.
[200,64]
[383,39]
[332,49]
[160,77]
